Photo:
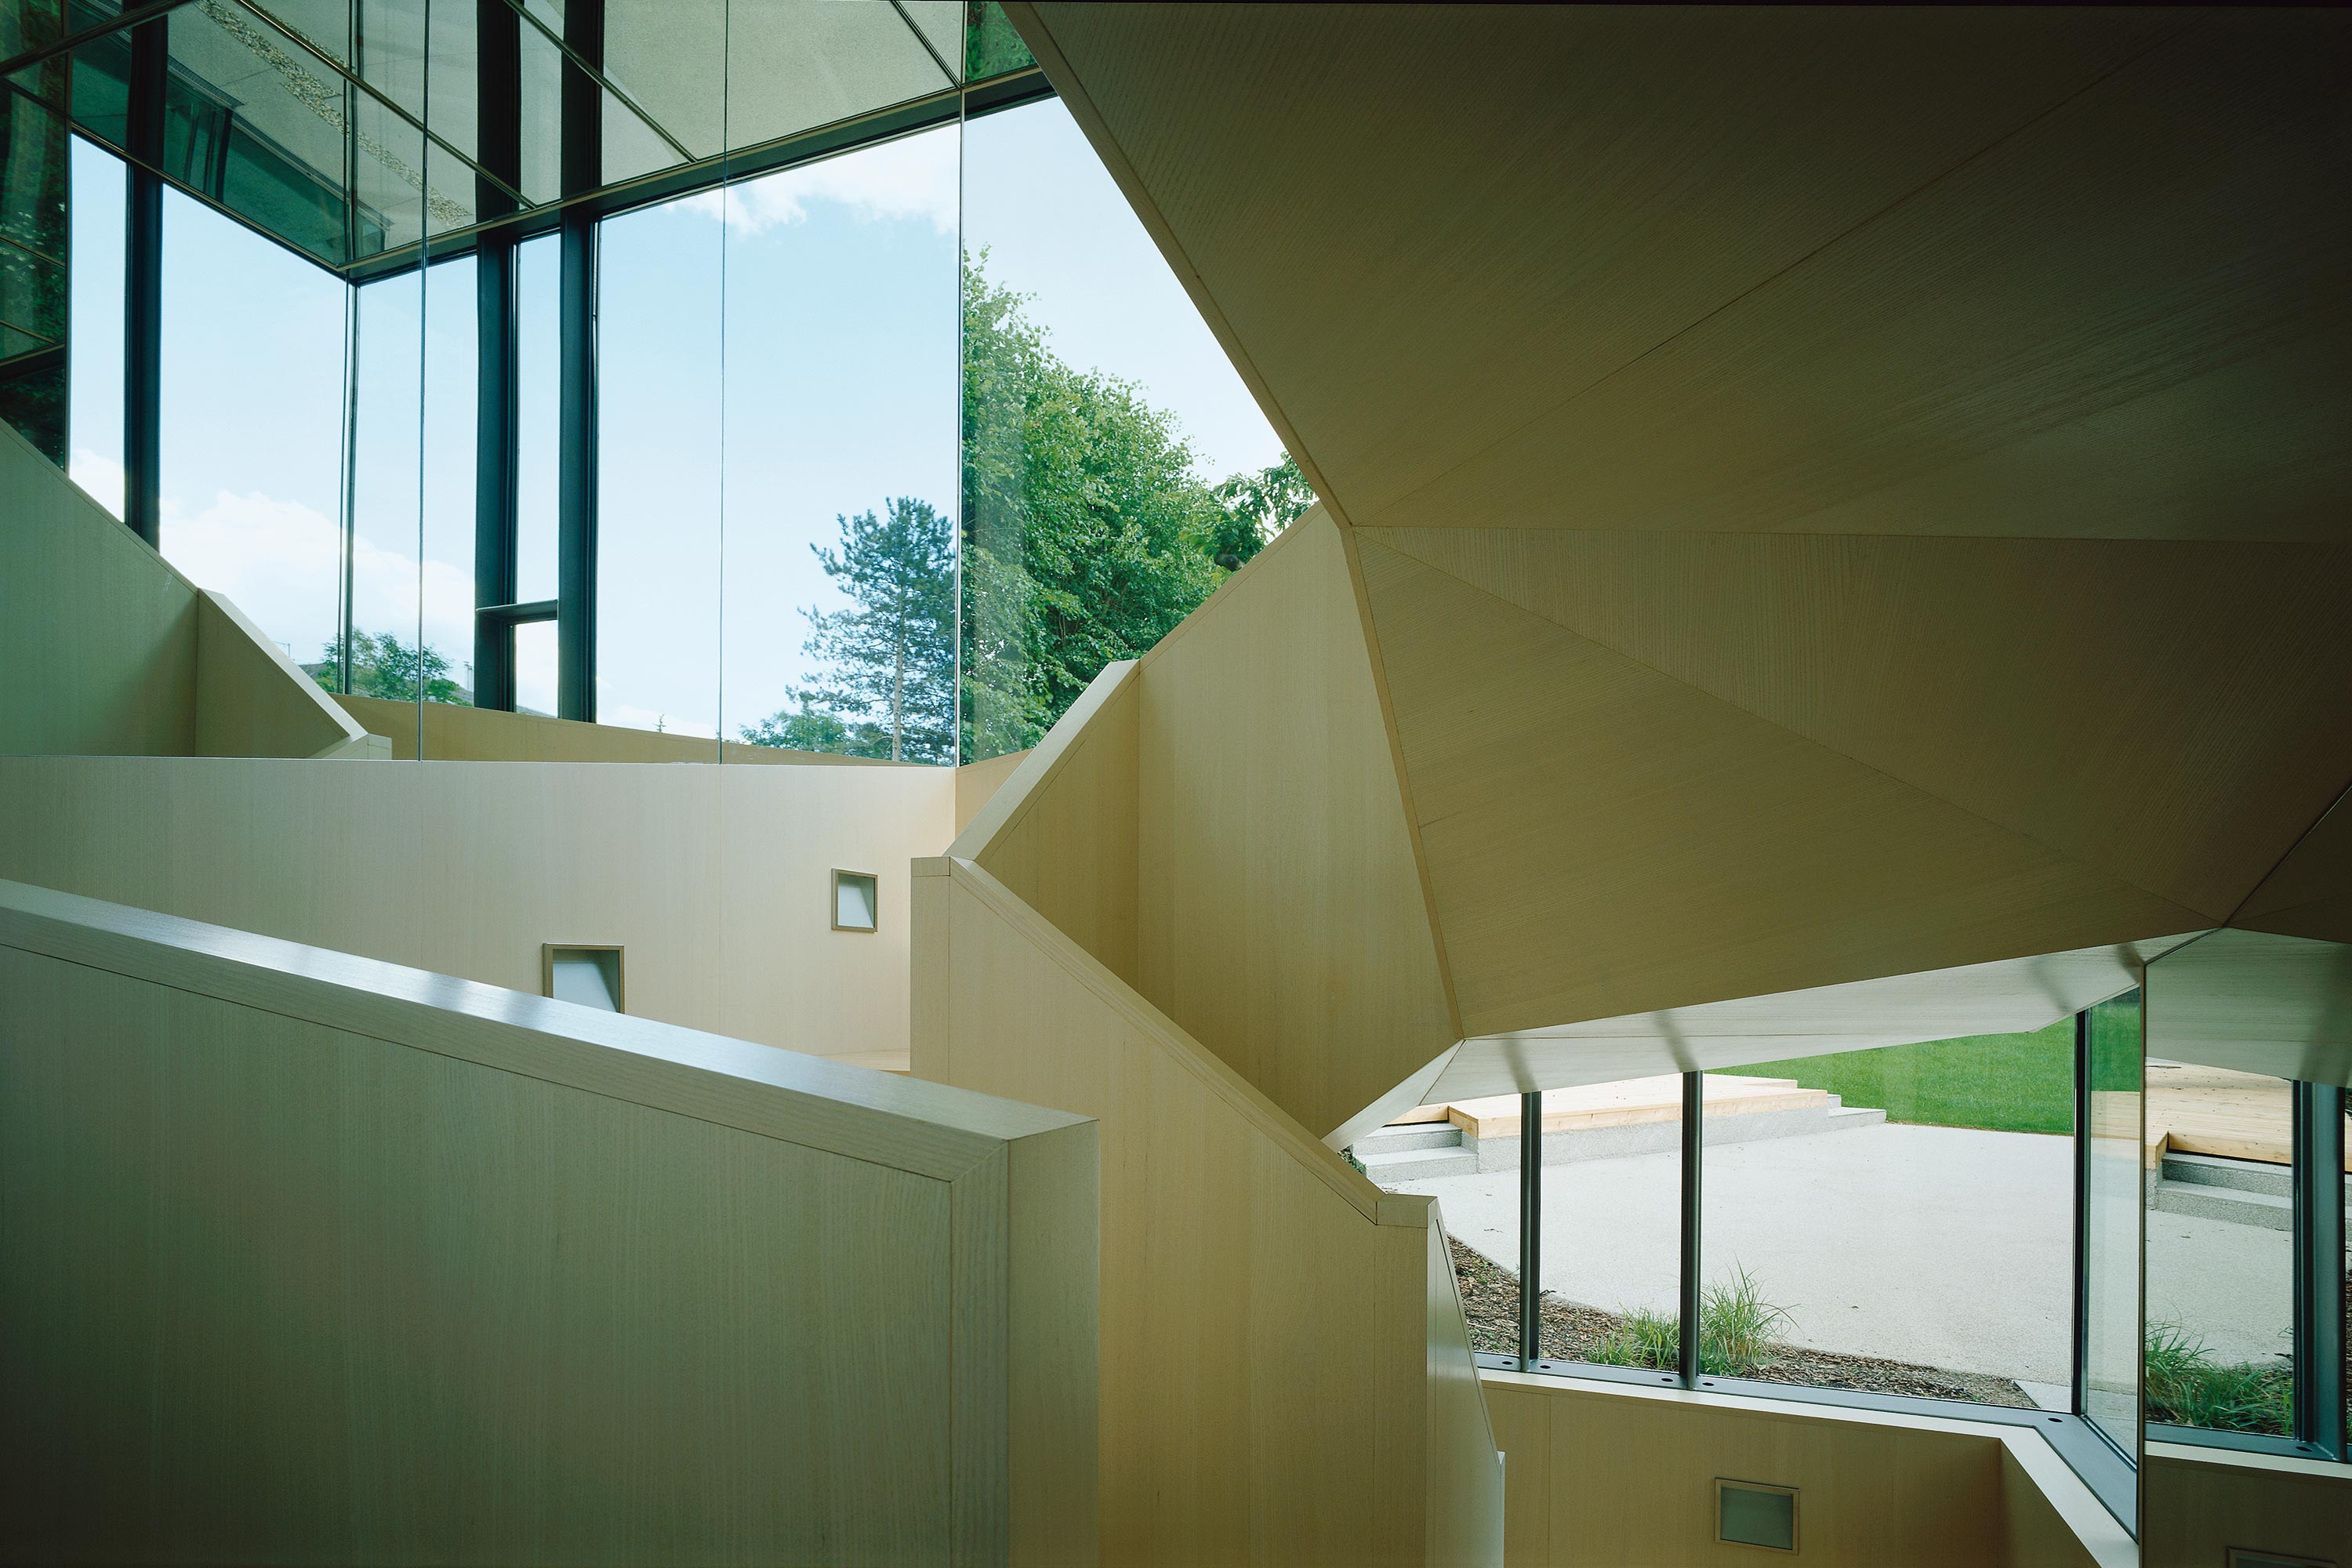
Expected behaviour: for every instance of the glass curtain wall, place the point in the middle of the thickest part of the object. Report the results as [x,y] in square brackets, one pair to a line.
[1897,1220]
[2113,1241]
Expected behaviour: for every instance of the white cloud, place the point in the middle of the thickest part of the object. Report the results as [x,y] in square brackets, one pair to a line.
[281,563]
[100,477]
[913,177]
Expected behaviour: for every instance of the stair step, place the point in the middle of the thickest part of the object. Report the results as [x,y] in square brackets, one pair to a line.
[1417,1165]
[2232,1204]
[1840,1115]
[2243,1175]
[1422,1135]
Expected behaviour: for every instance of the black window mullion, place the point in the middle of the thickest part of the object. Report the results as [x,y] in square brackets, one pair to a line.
[143,283]
[1531,1230]
[575,569]
[498,110]
[2082,1344]
[2318,1154]
[1694,1150]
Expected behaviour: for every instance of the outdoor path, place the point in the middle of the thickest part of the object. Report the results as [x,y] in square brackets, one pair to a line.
[1943,1245]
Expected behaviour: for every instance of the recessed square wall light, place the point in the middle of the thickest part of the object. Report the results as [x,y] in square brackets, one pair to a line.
[1750,1513]
[857,901]
[592,976]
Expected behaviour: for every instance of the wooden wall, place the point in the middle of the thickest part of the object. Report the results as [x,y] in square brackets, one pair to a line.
[717,881]
[1284,1378]
[2203,1501]
[1283,918]
[450,732]
[110,652]
[1603,1476]
[312,1259]
[97,634]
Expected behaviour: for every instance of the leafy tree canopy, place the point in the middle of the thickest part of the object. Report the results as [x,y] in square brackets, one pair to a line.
[385,667]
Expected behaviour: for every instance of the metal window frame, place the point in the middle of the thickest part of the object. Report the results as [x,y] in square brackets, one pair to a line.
[2318,1231]
[1530,1228]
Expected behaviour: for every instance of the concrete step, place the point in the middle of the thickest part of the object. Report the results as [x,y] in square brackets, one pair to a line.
[2233,1205]
[1842,1116]
[1417,1165]
[1416,1135]
[2242,1175]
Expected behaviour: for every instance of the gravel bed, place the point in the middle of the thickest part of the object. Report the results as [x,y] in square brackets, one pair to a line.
[1490,1298]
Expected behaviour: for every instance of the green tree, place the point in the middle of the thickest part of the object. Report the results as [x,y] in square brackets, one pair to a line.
[385,667]
[1257,507]
[1087,536]
[889,689]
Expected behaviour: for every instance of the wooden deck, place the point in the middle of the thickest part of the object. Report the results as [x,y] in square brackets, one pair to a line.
[1657,1099]
[2212,1110]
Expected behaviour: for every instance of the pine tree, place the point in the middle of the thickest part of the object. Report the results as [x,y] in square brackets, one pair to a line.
[890,687]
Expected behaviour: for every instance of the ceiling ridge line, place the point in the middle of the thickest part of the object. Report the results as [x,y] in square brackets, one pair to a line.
[2333,545]
[2198,919]
[1857,227]
[2334,802]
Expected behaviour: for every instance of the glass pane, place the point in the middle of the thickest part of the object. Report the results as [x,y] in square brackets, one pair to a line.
[256,121]
[992,46]
[388,657]
[35,171]
[392,48]
[251,489]
[100,193]
[1612,1244]
[535,668]
[389,165]
[658,455]
[451,387]
[1467,1156]
[666,57]
[453,104]
[542,100]
[1115,466]
[2220,1256]
[1896,1221]
[794,64]
[2112,1260]
[538,396]
[841,454]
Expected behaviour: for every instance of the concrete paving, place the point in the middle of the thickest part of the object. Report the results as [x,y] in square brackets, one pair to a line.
[1942,1245]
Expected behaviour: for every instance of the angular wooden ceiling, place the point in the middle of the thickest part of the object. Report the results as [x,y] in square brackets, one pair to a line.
[1837,494]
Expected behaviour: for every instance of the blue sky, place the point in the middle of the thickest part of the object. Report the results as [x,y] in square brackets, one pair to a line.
[768,361]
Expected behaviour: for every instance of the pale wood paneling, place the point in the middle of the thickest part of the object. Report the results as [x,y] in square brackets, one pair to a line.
[1607,1475]
[1465,1473]
[1604,840]
[1061,830]
[113,653]
[2006,997]
[1283,920]
[254,701]
[2203,1501]
[1517,203]
[2165,711]
[97,635]
[453,733]
[717,881]
[315,1259]
[976,782]
[1268,1323]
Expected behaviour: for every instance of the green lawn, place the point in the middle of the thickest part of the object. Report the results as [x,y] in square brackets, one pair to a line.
[2009,1083]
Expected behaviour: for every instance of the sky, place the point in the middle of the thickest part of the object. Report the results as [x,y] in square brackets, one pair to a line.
[768,362]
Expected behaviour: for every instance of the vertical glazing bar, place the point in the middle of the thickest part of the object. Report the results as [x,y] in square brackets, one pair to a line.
[1531,1230]
[142,284]
[1694,1141]
[2320,1265]
[576,543]
[2080,1360]
[498,108]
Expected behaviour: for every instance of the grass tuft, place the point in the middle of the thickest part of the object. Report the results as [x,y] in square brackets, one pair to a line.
[2187,1387]
[1735,1333]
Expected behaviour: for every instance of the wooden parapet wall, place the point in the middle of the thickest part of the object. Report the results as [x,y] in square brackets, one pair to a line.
[110,652]
[313,1258]
[1285,1378]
